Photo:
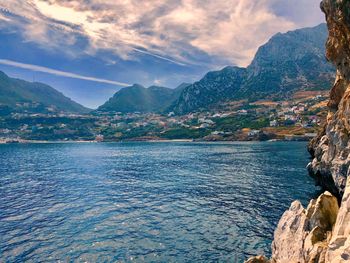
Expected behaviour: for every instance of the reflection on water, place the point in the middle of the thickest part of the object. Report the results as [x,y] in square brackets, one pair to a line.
[153,202]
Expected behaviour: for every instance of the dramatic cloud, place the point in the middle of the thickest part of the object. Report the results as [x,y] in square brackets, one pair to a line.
[182,32]
[59,73]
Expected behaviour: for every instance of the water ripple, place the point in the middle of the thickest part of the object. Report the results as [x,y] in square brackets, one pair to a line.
[146,202]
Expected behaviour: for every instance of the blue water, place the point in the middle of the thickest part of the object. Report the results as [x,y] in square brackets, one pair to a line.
[146,202]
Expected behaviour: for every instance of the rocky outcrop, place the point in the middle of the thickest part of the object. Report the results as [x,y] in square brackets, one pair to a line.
[321,232]
[339,246]
[318,234]
[258,259]
[302,234]
[330,150]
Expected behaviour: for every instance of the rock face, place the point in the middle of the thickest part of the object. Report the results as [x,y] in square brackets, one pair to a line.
[321,233]
[339,245]
[302,234]
[318,234]
[258,259]
[330,150]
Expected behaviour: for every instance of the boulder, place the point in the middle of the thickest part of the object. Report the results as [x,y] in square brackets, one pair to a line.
[302,234]
[258,259]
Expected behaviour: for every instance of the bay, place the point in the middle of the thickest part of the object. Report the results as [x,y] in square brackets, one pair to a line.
[146,202]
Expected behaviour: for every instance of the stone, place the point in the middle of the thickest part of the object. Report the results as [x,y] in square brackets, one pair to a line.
[321,232]
[258,259]
[339,245]
[302,234]
[331,148]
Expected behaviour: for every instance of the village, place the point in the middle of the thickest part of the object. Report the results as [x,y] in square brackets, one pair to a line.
[298,119]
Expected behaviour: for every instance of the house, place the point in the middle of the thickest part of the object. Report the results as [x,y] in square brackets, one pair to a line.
[99,138]
[310,135]
[290,117]
[314,118]
[253,132]
[206,121]
[216,133]
[204,125]
[273,123]
[242,112]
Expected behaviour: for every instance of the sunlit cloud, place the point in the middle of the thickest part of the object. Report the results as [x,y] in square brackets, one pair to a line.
[174,31]
[59,72]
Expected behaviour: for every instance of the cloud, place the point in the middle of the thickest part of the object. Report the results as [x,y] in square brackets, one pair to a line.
[304,13]
[59,73]
[232,29]
[182,32]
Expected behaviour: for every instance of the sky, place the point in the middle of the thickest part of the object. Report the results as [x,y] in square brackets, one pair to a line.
[89,49]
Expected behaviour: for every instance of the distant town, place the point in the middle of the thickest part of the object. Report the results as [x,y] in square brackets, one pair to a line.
[299,118]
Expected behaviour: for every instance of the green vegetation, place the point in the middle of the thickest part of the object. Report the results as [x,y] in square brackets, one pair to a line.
[21,95]
[183,133]
[238,122]
[140,99]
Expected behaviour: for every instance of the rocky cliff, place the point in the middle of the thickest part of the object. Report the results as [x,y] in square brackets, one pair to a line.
[321,232]
[331,148]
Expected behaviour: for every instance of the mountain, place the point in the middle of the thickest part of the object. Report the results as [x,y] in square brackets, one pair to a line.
[141,99]
[287,63]
[214,87]
[16,91]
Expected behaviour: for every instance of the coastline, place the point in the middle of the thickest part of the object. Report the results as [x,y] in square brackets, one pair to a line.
[146,141]
[320,232]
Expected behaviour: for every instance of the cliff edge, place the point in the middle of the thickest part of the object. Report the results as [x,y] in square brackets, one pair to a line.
[330,149]
[321,232]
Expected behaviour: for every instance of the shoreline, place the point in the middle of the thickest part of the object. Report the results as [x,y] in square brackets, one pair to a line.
[146,141]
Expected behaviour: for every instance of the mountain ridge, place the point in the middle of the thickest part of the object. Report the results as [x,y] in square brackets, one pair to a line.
[137,98]
[15,91]
[286,63]
[298,62]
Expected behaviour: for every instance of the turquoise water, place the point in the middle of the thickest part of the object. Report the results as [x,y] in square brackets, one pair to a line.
[146,202]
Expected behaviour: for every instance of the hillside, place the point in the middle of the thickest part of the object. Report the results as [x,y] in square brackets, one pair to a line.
[140,99]
[14,93]
[287,63]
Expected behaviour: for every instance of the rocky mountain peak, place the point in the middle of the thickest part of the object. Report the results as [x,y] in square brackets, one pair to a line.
[287,63]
